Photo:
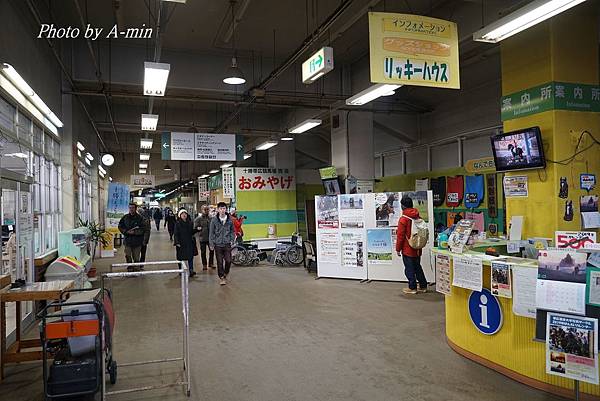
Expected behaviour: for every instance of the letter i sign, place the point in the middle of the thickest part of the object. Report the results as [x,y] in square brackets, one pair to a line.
[485,312]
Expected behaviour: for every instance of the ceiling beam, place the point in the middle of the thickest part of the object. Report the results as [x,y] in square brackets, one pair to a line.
[393,132]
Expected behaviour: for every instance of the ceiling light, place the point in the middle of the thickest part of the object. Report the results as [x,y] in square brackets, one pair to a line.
[107,159]
[287,138]
[142,171]
[304,126]
[234,75]
[88,162]
[144,156]
[80,146]
[101,169]
[25,89]
[247,156]
[204,176]
[79,153]
[191,182]
[155,78]
[523,18]
[176,1]
[226,165]
[143,165]
[214,171]
[167,168]
[390,93]
[146,143]
[20,155]
[149,122]
[88,155]
[266,145]
[101,174]
[110,179]
[371,93]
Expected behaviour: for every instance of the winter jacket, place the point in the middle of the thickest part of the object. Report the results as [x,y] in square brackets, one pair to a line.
[158,214]
[202,227]
[170,221]
[135,222]
[184,239]
[221,234]
[147,231]
[237,226]
[404,232]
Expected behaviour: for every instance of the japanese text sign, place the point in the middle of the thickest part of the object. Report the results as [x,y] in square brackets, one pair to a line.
[574,239]
[413,50]
[264,179]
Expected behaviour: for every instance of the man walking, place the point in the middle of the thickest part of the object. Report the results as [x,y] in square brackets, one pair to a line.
[158,216]
[410,257]
[132,227]
[202,228]
[221,237]
[147,231]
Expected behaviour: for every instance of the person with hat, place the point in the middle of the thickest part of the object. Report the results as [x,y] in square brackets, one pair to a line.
[184,240]
[132,226]
[410,257]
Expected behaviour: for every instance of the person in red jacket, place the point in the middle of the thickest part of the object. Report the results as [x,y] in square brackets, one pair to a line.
[237,225]
[410,257]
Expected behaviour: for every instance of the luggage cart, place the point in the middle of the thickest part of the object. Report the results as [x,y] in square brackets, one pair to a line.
[75,333]
[185,358]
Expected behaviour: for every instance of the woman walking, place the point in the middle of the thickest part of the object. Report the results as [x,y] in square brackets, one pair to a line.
[170,220]
[185,240]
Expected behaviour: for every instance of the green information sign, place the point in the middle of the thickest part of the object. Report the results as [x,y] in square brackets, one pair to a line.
[328,173]
[215,182]
[550,96]
[165,146]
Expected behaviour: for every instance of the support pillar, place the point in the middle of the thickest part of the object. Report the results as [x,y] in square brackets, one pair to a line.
[352,144]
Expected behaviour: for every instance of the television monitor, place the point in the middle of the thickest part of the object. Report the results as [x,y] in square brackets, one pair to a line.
[519,150]
[332,186]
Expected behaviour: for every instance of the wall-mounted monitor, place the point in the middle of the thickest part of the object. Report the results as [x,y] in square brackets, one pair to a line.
[519,150]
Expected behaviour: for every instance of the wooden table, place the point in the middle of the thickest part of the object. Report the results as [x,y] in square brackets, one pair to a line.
[43,291]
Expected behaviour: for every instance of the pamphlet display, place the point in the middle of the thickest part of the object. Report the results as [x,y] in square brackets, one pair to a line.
[500,280]
[467,273]
[442,274]
[459,237]
[356,235]
[524,282]
[572,347]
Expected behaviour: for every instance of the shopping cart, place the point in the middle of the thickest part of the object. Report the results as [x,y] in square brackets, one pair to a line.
[71,335]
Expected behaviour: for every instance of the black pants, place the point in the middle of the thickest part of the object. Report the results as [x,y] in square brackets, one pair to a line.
[204,247]
[414,272]
[143,253]
[157,221]
[223,254]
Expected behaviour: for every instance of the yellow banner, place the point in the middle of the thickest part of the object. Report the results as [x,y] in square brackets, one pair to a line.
[413,50]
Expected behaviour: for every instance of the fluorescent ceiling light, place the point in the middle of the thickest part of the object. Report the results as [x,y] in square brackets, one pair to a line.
[144,156]
[149,122]
[247,156]
[191,182]
[266,145]
[110,179]
[287,138]
[25,89]
[234,75]
[226,165]
[167,168]
[88,155]
[142,171]
[204,176]
[80,146]
[101,169]
[176,1]
[371,93]
[146,143]
[107,159]
[79,153]
[143,165]
[155,78]
[88,162]
[304,126]
[525,17]
[20,155]
[214,171]
[101,174]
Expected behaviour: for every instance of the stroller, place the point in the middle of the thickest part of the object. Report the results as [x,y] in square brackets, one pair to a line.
[75,334]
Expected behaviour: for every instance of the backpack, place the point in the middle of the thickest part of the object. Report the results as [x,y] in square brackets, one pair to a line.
[419,233]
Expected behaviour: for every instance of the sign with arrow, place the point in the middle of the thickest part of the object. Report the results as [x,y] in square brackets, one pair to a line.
[165,146]
[317,65]
[201,146]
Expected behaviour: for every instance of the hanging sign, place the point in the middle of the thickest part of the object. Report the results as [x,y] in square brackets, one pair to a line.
[228,183]
[484,165]
[117,205]
[413,50]
[317,65]
[200,146]
[328,173]
[264,179]
[142,181]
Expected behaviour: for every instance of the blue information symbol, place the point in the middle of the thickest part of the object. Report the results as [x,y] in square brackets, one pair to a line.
[485,312]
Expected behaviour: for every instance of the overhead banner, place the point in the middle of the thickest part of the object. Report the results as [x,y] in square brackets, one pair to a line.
[264,179]
[201,146]
[117,205]
[142,181]
[228,183]
[413,50]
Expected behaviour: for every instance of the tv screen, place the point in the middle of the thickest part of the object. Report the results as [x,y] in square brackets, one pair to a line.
[519,150]
[332,186]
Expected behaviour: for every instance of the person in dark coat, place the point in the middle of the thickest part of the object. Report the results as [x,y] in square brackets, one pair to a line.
[170,220]
[185,240]
[158,216]
[201,226]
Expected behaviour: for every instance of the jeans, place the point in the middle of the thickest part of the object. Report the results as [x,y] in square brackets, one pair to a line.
[143,253]
[414,272]
[203,250]
[157,221]
[223,254]
[132,254]
[190,264]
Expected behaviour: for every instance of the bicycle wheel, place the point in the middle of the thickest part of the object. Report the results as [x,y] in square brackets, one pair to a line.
[238,255]
[294,255]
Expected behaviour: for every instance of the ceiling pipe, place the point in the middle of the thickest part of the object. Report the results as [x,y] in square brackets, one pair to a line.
[35,14]
[308,42]
[97,68]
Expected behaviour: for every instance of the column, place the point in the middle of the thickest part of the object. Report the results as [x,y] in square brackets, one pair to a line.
[283,155]
[352,144]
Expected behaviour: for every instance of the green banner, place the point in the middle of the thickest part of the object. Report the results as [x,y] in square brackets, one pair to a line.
[215,182]
[550,96]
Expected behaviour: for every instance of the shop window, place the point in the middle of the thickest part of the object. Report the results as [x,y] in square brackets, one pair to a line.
[48,146]
[38,139]
[56,146]
[15,156]
[7,115]
[24,128]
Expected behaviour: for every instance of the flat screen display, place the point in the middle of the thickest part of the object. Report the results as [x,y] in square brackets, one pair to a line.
[519,150]
[332,186]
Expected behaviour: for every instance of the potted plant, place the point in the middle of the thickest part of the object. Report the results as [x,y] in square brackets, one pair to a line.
[96,234]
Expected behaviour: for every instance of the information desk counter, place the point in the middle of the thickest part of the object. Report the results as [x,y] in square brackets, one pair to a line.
[512,351]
